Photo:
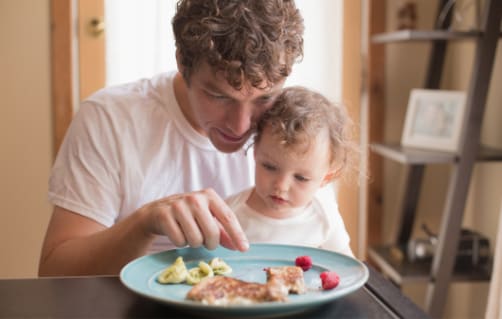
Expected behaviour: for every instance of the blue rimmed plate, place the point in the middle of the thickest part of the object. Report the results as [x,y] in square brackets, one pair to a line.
[140,276]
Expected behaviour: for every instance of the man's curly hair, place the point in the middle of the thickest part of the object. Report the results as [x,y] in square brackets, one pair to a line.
[248,40]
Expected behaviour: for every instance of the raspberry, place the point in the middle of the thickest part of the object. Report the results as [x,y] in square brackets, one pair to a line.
[305,262]
[329,279]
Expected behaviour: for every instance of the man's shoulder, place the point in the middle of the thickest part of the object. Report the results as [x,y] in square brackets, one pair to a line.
[157,89]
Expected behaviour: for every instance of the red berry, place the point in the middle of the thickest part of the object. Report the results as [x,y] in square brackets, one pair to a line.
[305,262]
[329,279]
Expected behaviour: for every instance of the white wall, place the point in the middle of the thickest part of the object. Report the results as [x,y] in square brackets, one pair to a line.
[25,134]
[146,47]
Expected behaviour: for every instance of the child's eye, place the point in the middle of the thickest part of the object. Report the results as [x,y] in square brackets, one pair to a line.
[268,167]
[301,178]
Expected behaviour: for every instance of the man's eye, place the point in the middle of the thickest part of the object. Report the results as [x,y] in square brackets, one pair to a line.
[218,97]
[265,100]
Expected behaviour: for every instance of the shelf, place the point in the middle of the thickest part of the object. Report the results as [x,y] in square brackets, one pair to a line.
[409,155]
[428,35]
[488,154]
[394,263]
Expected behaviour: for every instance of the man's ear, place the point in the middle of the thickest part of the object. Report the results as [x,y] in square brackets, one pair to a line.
[180,66]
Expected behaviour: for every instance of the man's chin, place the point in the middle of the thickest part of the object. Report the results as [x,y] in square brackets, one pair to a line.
[225,146]
[228,148]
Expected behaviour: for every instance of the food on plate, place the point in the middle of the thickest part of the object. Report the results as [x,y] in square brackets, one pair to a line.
[224,291]
[174,274]
[220,267]
[177,272]
[196,274]
[291,277]
[329,279]
[305,262]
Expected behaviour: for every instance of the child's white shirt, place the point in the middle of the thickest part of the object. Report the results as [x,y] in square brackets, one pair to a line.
[319,225]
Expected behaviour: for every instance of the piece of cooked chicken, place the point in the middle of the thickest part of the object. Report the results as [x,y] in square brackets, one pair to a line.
[290,276]
[223,291]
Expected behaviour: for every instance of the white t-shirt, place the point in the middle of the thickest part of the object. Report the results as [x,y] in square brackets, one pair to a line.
[319,225]
[129,145]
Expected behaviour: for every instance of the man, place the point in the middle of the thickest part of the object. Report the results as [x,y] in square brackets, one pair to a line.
[144,166]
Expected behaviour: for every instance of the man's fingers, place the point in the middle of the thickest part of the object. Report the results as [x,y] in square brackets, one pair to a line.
[225,239]
[231,233]
[198,218]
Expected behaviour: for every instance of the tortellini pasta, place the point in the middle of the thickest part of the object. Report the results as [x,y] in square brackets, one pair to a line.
[177,272]
[174,274]
[195,275]
[219,266]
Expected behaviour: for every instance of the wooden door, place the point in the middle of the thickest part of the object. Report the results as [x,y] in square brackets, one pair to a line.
[91,40]
[77,58]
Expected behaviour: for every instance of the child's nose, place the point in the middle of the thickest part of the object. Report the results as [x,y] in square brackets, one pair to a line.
[282,183]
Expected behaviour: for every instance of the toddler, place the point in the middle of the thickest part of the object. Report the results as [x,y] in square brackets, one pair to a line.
[301,145]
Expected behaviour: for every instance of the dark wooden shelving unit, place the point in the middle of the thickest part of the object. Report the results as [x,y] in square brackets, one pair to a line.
[441,269]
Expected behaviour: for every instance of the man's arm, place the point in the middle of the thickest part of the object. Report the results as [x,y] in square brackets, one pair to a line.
[77,245]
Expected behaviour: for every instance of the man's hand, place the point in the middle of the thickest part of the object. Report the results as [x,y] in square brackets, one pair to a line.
[196,219]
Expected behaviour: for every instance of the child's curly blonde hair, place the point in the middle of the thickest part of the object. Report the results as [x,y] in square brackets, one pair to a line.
[299,115]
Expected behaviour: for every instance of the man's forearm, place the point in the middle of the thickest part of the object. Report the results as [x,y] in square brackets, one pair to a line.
[102,253]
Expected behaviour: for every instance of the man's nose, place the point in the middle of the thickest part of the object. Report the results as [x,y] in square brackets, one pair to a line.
[239,120]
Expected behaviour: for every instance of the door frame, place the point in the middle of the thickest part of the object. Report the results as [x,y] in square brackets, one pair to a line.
[62,68]
[77,59]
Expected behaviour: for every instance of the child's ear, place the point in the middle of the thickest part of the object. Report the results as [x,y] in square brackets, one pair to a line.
[330,176]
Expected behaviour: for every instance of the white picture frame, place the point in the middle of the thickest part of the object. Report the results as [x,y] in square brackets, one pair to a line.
[434,119]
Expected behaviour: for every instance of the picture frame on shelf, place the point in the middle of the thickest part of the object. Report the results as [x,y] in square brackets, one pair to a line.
[434,119]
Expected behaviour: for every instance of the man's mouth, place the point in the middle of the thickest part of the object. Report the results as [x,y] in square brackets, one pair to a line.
[232,138]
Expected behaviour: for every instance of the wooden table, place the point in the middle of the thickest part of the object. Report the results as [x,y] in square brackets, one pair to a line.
[107,297]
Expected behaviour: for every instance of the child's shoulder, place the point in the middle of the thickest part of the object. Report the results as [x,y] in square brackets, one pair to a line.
[239,197]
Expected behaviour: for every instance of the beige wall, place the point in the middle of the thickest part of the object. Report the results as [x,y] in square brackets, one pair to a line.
[25,137]
[405,69]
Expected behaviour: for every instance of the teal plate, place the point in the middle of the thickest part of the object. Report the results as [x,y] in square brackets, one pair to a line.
[140,276]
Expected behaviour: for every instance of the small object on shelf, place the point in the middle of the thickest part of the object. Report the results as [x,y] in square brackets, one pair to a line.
[407,15]
[434,119]
[422,248]
[396,255]
[473,248]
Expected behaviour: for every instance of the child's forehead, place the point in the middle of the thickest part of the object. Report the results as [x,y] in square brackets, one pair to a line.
[299,146]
